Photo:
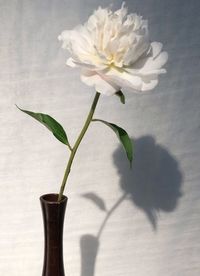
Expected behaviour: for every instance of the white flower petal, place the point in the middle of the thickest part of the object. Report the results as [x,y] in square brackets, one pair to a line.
[156,48]
[114,51]
[142,72]
[101,85]
[71,62]
[124,79]
[154,60]
[149,83]
[159,61]
[137,82]
[122,12]
[137,50]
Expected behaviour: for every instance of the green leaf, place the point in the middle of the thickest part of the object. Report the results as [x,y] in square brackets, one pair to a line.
[49,123]
[121,96]
[123,138]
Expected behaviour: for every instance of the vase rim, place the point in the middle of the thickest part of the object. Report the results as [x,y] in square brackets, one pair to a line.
[52,198]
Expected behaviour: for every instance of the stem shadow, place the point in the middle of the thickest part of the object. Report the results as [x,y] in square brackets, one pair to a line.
[153,185]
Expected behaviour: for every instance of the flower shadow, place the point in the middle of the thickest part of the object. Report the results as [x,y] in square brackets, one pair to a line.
[154,183]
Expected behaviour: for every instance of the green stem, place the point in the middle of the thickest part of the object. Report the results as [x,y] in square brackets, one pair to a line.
[78,141]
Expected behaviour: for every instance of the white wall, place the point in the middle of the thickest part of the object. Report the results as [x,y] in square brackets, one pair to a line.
[154,229]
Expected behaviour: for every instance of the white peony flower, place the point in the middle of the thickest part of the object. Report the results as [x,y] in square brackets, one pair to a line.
[114,52]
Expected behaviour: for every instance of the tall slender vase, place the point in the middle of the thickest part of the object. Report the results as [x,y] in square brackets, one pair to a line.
[53,218]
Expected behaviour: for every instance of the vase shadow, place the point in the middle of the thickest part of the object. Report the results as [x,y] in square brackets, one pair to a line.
[89,246]
[153,185]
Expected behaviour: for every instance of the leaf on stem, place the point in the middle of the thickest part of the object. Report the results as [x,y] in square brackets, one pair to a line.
[50,123]
[123,138]
[121,96]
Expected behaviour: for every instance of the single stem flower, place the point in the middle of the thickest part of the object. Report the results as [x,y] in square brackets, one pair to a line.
[78,141]
[114,53]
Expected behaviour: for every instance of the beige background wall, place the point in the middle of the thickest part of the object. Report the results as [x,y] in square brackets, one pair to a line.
[153,228]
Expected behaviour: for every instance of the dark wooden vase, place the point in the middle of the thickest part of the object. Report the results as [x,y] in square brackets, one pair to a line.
[53,217]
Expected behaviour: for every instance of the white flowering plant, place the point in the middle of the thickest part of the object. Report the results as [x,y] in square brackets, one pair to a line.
[114,53]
